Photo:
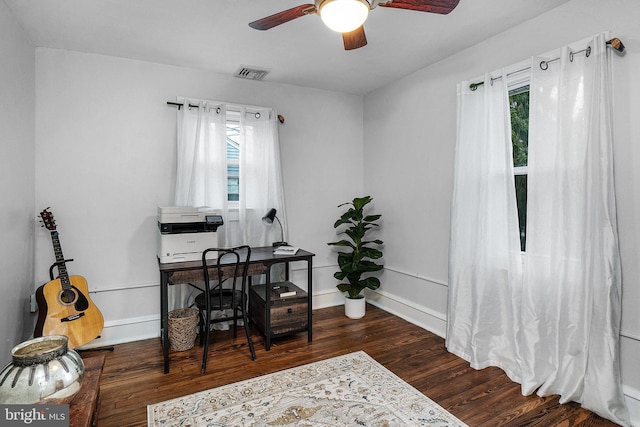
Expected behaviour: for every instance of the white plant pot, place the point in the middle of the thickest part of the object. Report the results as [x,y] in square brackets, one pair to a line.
[354,308]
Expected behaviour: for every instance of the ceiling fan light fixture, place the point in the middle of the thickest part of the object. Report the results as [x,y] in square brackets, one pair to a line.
[344,16]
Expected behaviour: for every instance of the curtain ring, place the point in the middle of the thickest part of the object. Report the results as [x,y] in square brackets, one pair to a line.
[217,110]
[571,56]
[257,115]
[544,65]
[588,51]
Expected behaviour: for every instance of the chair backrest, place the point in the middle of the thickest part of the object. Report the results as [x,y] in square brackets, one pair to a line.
[231,264]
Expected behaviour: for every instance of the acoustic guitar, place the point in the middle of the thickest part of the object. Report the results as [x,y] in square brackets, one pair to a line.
[64,305]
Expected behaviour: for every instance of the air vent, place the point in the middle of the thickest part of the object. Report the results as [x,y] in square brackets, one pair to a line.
[251,73]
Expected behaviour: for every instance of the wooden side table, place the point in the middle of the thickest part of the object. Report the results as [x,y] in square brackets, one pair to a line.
[83,409]
[287,315]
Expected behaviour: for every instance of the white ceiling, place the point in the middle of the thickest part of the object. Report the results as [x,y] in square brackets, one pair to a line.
[214,35]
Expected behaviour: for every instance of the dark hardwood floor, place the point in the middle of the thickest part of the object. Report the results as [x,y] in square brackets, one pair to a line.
[133,375]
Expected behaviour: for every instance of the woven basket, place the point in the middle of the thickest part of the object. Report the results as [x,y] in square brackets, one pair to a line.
[183,328]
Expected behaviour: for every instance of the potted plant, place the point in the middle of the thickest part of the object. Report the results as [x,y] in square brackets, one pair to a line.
[356,260]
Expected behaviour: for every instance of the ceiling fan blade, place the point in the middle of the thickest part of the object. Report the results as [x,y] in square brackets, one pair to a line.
[434,6]
[354,39]
[282,17]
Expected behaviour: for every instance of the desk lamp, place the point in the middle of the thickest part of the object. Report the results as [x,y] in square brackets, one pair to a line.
[268,219]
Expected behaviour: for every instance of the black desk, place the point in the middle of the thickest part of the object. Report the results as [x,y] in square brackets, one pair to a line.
[261,261]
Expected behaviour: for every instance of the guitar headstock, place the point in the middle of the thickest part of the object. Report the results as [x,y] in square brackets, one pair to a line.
[47,219]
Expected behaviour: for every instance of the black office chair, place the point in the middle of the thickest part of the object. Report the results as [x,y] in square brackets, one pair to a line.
[231,266]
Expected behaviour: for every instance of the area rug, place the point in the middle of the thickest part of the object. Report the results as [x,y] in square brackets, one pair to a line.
[349,390]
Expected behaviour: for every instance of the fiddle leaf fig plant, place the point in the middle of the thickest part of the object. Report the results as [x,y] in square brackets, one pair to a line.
[356,258]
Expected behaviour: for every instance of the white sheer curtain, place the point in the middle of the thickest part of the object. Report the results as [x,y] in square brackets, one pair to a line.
[484,257]
[260,179]
[572,292]
[556,329]
[201,177]
[201,155]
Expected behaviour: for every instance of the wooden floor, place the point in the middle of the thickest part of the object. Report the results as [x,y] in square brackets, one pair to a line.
[133,374]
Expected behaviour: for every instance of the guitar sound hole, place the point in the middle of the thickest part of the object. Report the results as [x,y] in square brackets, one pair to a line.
[67,296]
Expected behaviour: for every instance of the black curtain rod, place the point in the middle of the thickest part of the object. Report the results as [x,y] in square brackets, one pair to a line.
[257,114]
[614,43]
[177,104]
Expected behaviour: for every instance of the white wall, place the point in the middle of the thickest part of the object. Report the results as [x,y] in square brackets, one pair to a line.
[410,129]
[105,160]
[17,104]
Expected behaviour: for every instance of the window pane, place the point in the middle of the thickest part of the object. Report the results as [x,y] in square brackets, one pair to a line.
[233,168]
[519,107]
[233,183]
[519,101]
[233,150]
[521,200]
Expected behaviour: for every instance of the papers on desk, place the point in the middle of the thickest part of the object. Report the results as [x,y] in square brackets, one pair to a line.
[285,250]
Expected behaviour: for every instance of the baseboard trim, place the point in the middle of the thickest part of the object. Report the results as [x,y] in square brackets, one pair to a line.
[328,298]
[632,398]
[145,327]
[127,330]
[426,318]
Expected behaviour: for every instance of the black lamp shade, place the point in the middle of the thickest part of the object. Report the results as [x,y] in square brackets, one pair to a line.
[268,219]
[269,216]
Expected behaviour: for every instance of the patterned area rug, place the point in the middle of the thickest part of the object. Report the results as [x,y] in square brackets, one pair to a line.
[349,390]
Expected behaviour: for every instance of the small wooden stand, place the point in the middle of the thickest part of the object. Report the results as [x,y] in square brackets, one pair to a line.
[83,409]
[287,315]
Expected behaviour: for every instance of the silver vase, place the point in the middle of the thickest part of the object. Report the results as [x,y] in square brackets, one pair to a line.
[42,369]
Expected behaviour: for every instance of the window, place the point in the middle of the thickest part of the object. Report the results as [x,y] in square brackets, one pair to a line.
[519,106]
[233,161]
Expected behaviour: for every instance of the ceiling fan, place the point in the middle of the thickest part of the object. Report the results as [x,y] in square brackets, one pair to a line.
[348,16]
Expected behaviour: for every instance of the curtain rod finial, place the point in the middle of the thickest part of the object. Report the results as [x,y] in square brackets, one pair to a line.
[616,43]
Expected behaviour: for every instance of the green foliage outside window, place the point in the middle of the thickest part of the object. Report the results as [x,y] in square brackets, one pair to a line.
[519,100]
[519,106]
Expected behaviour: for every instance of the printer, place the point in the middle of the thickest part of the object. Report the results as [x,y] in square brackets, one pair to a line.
[184,232]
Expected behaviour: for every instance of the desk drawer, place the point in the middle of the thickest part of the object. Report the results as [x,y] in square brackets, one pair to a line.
[288,314]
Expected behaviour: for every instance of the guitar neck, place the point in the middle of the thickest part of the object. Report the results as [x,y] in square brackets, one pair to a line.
[62,267]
